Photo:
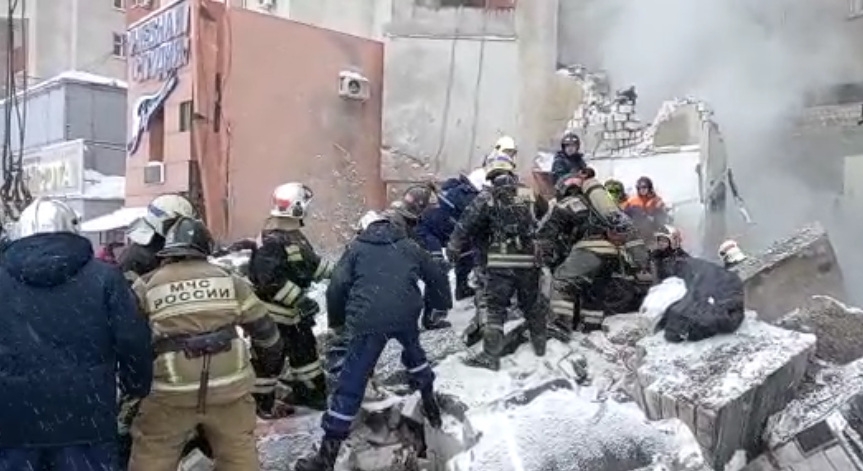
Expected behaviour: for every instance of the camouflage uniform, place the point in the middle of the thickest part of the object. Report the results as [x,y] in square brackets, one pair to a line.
[501,221]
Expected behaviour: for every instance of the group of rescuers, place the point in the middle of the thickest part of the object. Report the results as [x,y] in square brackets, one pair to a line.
[187,353]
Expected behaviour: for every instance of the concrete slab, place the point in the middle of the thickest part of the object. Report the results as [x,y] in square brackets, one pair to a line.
[724,388]
[838,327]
[790,271]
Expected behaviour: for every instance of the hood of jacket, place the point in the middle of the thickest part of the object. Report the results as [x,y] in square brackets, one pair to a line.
[46,260]
[457,197]
[381,233]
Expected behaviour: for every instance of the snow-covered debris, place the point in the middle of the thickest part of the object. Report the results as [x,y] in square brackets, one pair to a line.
[560,429]
[839,328]
[628,329]
[822,428]
[790,271]
[724,388]
[830,388]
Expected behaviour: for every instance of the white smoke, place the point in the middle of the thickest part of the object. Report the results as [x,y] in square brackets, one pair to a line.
[753,62]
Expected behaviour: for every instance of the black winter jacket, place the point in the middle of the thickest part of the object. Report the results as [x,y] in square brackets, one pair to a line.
[141,259]
[713,304]
[564,165]
[69,329]
[374,287]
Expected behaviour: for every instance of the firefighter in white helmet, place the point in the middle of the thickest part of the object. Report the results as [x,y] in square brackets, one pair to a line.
[504,145]
[147,234]
[282,269]
[731,254]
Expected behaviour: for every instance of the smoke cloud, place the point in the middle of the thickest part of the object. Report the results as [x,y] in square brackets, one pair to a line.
[753,62]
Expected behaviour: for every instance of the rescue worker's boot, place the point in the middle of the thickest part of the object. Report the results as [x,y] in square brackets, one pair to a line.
[489,357]
[323,460]
[537,324]
[431,409]
[539,339]
[435,319]
[473,332]
[463,290]
[312,397]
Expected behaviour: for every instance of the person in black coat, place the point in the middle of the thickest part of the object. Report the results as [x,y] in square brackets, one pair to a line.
[437,223]
[69,330]
[714,300]
[374,295]
[568,160]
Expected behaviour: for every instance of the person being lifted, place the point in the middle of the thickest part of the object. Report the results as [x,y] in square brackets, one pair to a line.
[599,236]
[281,270]
[374,296]
[203,376]
[501,222]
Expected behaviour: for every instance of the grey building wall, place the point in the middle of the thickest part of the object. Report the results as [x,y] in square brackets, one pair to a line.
[458,78]
[69,110]
[73,35]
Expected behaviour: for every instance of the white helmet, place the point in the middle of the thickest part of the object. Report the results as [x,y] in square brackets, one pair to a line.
[161,214]
[45,216]
[368,219]
[730,252]
[505,144]
[291,200]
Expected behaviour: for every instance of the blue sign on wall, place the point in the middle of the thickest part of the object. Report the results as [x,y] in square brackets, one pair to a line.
[160,45]
[145,108]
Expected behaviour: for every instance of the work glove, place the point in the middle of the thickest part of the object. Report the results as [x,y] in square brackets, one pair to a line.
[307,307]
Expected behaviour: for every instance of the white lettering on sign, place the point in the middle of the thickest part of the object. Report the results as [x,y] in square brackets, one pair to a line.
[51,177]
[160,45]
[191,291]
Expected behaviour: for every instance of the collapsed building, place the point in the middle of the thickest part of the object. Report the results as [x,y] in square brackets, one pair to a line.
[781,393]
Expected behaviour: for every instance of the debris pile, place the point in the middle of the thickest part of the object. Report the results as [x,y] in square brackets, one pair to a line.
[724,400]
[623,398]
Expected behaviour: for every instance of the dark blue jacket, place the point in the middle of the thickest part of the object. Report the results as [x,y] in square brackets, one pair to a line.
[69,329]
[437,223]
[373,288]
[564,165]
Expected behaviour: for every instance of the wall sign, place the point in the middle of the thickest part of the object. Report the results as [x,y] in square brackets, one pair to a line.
[145,108]
[55,170]
[160,45]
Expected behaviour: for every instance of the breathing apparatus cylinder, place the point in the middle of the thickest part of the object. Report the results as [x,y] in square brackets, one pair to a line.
[599,198]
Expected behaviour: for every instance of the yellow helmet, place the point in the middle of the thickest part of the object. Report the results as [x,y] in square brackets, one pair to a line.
[505,144]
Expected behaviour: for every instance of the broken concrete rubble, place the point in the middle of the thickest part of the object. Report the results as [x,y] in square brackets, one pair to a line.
[724,388]
[789,272]
[838,327]
[822,428]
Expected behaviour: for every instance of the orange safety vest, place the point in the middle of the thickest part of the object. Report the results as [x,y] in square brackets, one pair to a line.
[649,205]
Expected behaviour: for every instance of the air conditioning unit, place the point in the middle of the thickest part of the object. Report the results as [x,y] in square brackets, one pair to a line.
[154,173]
[144,3]
[267,4]
[354,86]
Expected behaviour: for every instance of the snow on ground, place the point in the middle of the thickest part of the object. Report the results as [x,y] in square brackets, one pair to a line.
[535,413]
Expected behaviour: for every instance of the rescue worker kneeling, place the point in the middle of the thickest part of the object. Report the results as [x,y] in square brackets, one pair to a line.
[202,375]
[374,295]
[602,240]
